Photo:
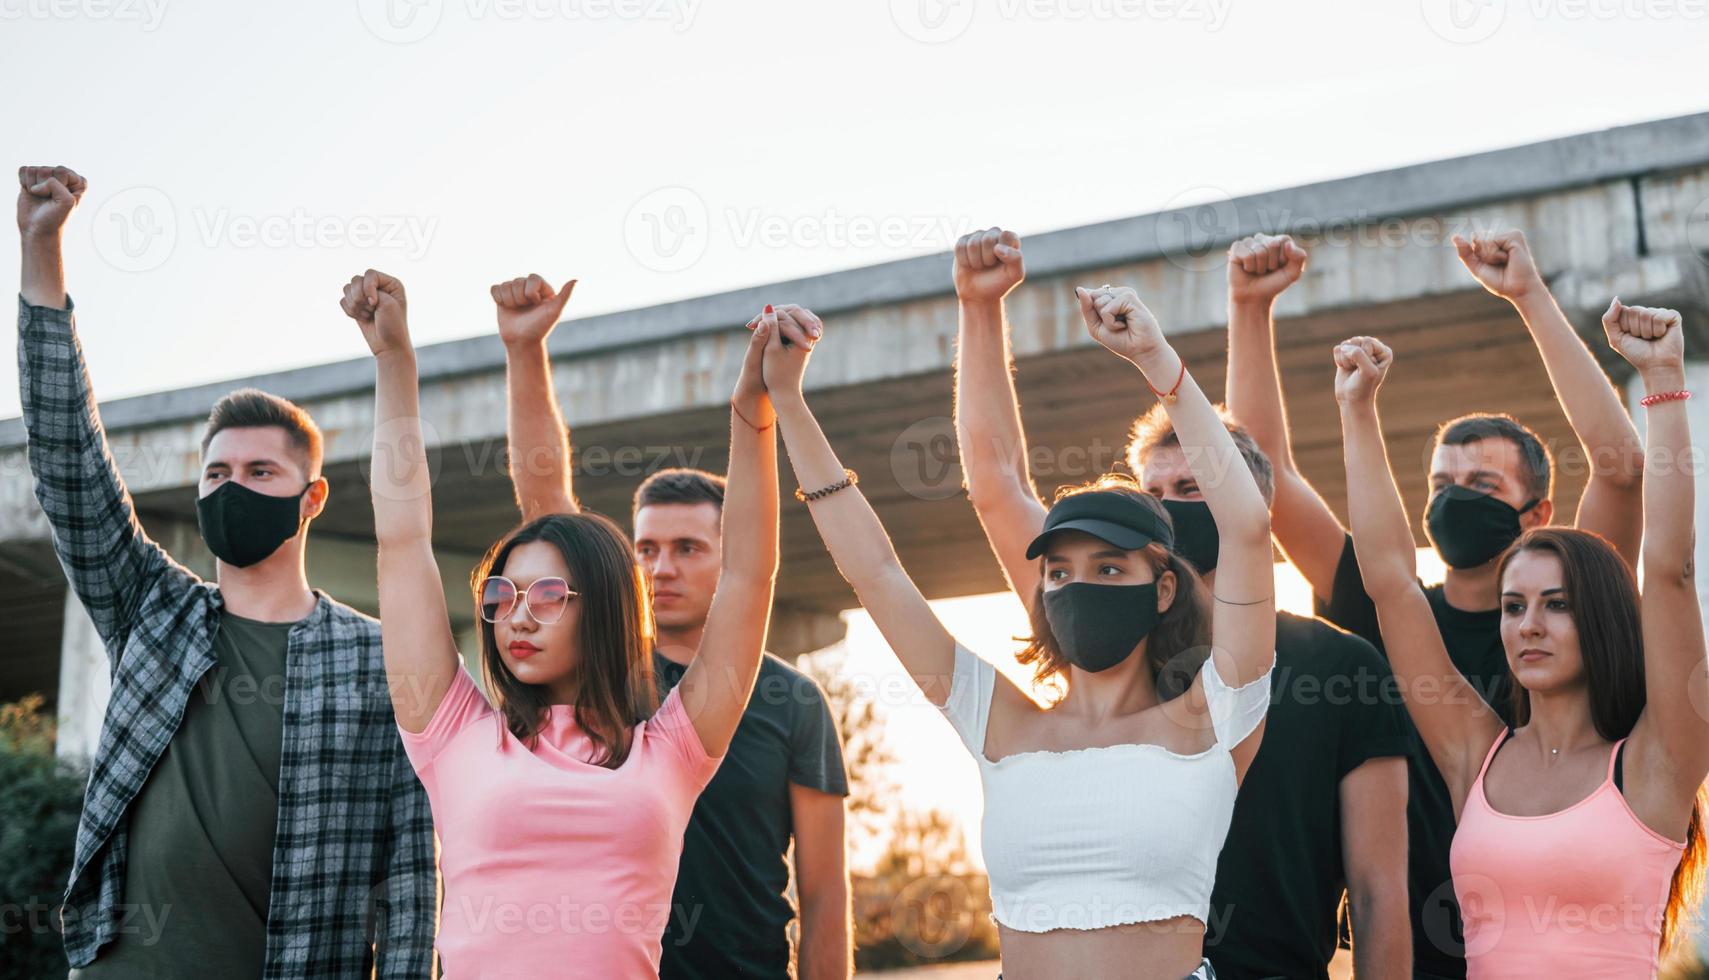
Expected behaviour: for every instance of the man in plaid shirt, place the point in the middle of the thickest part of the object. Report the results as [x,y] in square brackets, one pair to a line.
[250,810]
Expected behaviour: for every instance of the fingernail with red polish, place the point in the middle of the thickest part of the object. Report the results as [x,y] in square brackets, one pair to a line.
[768,307]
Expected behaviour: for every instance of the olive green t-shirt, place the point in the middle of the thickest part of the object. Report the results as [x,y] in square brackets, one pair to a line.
[201,831]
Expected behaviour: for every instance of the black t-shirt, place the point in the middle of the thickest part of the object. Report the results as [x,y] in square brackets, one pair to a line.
[201,831]
[729,912]
[1279,880]
[1473,640]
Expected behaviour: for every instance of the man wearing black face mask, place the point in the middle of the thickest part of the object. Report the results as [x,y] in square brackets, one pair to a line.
[1323,805]
[1490,480]
[250,810]
[1324,800]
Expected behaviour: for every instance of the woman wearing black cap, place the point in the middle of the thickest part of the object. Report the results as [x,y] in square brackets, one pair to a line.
[1105,812]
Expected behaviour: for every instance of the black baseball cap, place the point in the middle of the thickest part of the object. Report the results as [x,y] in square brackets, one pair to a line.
[1108,515]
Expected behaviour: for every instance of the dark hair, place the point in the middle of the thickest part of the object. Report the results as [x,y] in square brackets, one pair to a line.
[1537,466]
[614,635]
[249,408]
[1153,431]
[1176,648]
[1603,597]
[680,486]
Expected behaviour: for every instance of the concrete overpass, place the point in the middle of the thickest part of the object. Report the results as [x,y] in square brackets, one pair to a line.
[1619,211]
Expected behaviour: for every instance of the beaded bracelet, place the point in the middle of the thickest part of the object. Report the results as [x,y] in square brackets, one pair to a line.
[1664,396]
[850,478]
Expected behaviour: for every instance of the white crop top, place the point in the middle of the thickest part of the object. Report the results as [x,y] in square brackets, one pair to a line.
[1103,836]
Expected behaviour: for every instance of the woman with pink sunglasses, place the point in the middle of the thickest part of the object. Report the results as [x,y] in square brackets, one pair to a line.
[561,795]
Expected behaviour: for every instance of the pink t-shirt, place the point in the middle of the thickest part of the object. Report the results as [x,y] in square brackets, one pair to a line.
[555,866]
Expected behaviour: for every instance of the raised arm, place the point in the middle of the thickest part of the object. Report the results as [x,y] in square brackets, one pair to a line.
[855,537]
[1260,269]
[528,309]
[415,627]
[717,684]
[107,558]
[993,446]
[1243,617]
[1612,504]
[1671,737]
[1455,723]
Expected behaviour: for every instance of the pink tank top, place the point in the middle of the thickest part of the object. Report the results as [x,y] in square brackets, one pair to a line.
[1575,893]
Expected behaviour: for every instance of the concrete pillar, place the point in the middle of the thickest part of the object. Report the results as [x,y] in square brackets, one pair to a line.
[797,630]
[85,684]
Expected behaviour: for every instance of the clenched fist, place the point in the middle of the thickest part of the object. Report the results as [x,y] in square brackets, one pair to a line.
[1646,336]
[987,265]
[1118,320]
[1361,364]
[46,196]
[1260,267]
[376,302]
[528,308]
[1501,262]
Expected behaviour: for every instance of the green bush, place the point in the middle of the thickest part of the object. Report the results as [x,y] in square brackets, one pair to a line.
[40,798]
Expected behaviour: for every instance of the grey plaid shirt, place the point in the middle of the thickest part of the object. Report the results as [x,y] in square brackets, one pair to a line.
[354,889]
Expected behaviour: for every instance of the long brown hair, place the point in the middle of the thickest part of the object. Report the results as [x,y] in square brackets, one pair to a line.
[614,635]
[1176,648]
[1603,598]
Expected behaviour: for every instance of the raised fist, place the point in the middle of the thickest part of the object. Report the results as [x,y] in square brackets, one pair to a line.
[528,308]
[1260,267]
[1361,364]
[987,265]
[1501,262]
[46,196]
[1117,319]
[376,302]
[1646,336]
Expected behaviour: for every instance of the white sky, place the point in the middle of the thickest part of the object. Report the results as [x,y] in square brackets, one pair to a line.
[536,135]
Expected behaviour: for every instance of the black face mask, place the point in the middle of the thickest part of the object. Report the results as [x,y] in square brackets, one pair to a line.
[1469,528]
[1097,626]
[1195,533]
[242,527]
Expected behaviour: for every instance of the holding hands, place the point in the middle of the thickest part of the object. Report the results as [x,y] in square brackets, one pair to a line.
[1361,364]
[1260,267]
[987,265]
[1501,262]
[376,302]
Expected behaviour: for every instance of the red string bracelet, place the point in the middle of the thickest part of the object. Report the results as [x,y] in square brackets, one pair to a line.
[1664,396]
[1169,396]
